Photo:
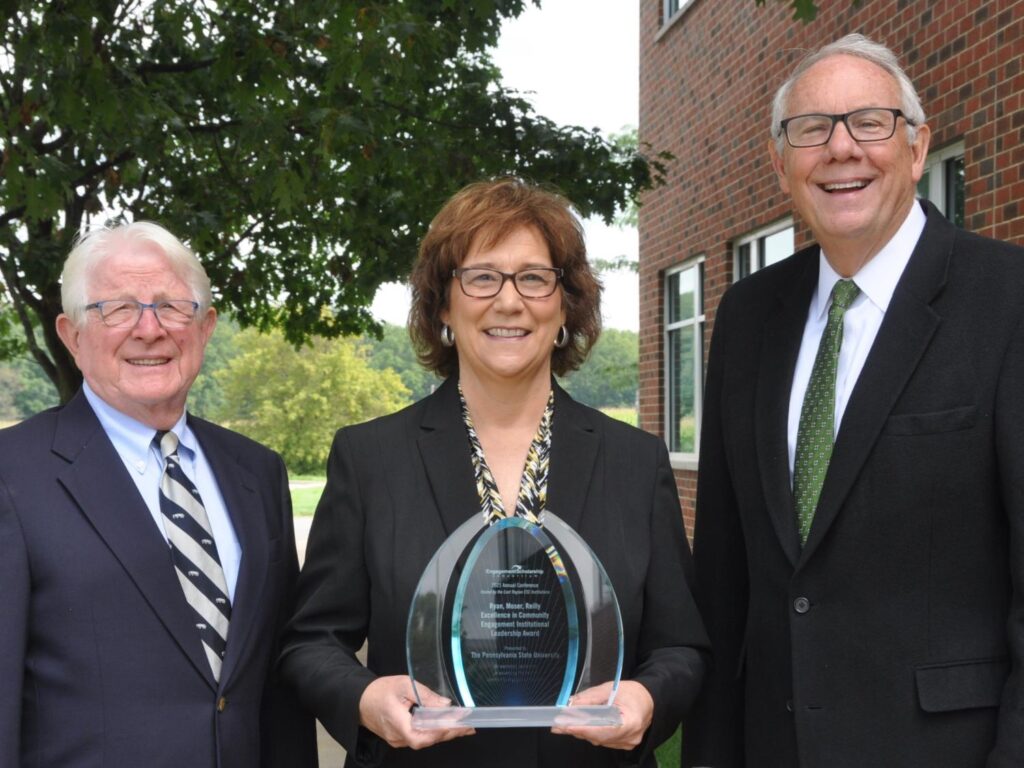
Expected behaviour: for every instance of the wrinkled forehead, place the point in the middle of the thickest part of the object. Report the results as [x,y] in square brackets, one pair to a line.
[842,83]
[133,269]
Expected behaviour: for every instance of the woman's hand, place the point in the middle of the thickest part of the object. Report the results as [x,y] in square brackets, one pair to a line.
[385,708]
[635,705]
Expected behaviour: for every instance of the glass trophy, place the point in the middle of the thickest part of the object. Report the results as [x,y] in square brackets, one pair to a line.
[509,621]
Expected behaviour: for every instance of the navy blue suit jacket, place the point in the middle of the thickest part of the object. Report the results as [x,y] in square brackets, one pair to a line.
[100,662]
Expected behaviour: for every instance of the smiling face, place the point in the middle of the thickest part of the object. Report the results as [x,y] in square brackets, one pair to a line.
[506,338]
[146,371]
[853,196]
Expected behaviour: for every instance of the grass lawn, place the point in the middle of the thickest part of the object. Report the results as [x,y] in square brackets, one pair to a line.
[668,753]
[305,490]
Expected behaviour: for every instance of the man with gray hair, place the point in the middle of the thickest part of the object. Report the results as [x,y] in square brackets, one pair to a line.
[859,544]
[147,557]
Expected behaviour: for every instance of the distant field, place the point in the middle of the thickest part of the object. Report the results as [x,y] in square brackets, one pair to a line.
[626,414]
[305,490]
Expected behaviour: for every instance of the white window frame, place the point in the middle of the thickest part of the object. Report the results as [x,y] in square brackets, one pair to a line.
[756,238]
[685,459]
[935,167]
[672,10]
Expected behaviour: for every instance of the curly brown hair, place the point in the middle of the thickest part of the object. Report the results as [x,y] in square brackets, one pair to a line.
[482,215]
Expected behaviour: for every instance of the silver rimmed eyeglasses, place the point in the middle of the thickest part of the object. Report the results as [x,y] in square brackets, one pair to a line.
[869,124]
[172,314]
[484,283]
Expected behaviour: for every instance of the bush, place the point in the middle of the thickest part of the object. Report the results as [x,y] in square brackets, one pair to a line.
[293,400]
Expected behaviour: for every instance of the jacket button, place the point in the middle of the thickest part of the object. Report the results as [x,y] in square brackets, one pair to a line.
[789,705]
[222,704]
[801,605]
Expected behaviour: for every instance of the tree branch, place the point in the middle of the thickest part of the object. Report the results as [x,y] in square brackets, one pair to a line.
[160,68]
[213,127]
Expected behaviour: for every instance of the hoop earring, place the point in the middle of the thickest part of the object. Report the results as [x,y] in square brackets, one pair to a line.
[563,338]
[447,336]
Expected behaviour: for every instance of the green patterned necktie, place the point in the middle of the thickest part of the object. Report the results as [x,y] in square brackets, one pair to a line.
[816,433]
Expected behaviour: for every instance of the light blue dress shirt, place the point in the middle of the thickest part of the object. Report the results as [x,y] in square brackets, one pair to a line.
[133,442]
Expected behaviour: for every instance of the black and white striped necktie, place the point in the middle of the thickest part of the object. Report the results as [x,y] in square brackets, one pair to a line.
[194,553]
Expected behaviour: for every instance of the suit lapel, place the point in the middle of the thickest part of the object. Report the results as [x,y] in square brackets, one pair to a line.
[782,337]
[99,484]
[574,446]
[238,487]
[904,335]
[444,449]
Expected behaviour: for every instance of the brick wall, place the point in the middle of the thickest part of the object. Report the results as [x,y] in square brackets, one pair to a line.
[706,83]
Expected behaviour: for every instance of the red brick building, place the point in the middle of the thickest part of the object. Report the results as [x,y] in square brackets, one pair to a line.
[708,72]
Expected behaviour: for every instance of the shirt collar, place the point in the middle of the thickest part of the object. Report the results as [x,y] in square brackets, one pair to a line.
[132,439]
[878,278]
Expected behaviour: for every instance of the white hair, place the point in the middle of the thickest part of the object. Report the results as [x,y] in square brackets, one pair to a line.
[863,48]
[95,245]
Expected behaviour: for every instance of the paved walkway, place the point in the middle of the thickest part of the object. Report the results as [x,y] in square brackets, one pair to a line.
[331,753]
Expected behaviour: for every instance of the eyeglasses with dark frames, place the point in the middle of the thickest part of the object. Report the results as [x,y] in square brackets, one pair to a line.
[172,314]
[485,283]
[868,124]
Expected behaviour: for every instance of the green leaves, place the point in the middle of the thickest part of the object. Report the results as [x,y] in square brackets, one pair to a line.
[301,149]
[294,399]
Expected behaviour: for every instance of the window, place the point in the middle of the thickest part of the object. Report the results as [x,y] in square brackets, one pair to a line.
[671,8]
[763,247]
[684,355]
[943,182]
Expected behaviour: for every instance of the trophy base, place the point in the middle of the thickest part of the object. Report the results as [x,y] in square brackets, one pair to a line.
[435,718]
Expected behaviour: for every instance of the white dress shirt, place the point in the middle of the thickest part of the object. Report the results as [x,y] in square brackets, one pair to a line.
[133,442]
[877,280]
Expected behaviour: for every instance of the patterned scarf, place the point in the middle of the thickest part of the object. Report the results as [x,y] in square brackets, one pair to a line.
[533,488]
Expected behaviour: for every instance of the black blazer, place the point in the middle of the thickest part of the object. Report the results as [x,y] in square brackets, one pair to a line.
[895,637]
[100,663]
[399,485]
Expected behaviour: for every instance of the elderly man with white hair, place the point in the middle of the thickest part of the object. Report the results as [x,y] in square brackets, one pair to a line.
[147,557]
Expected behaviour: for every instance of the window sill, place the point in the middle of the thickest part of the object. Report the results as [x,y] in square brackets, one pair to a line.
[685,461]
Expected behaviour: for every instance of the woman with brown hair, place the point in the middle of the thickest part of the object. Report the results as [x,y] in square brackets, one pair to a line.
[503,298]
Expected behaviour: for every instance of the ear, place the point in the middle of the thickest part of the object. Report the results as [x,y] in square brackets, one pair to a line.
[779,165]
[208,323]
[68,333]
[919,151]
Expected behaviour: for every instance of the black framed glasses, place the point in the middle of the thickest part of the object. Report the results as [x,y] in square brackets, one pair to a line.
[484,283]
[172,314]
[869,124]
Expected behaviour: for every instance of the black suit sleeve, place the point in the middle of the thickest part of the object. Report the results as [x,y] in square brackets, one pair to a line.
[332,608]
[288,730]
[713,733]
[670,667]
[1009,421]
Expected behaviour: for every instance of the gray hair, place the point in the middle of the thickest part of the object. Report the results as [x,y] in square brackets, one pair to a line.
[863,48]
[95,245]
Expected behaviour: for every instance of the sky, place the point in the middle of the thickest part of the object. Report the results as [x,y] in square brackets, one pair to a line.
[577,62]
